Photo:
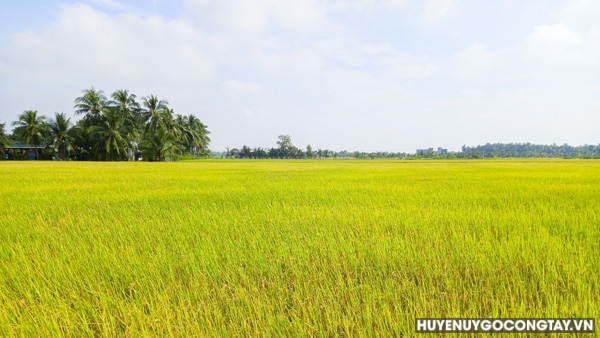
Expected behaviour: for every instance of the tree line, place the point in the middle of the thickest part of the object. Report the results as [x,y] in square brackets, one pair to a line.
[286,150]
[119,128]
[529,150]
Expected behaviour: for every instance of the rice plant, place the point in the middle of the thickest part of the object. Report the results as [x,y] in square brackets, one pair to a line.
[293,248]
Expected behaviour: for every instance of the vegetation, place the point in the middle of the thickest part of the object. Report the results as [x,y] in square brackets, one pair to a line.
[4,138]
[290,248]
[112,129]
[30,128]
[285,149]
[529,150]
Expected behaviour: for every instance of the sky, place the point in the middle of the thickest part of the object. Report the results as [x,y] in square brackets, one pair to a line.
[368,75]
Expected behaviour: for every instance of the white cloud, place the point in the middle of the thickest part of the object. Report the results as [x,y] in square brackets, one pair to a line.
[474,60]
[239,87]
[298,61]
[437,10]
[109,4]
[252,17]
[86,43]
[554,45]
[361,5]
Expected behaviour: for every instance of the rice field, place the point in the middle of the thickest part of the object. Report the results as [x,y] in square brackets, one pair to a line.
[293,248]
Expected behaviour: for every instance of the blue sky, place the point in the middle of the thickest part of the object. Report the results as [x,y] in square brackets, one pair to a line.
[367,75]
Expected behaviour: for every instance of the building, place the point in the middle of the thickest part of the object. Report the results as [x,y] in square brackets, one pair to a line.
[23,151]
[425,151]
[440,150]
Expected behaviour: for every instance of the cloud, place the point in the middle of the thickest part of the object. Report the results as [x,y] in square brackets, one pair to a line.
[554,45]
[239,87]
[437,10]
[474,60]
[361,5]
[108,4]
[251,17]
[87,43]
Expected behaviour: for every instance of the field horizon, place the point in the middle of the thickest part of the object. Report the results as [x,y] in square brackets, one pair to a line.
[293,247]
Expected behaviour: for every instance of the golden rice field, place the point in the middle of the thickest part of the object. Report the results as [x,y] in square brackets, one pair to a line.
[293,248]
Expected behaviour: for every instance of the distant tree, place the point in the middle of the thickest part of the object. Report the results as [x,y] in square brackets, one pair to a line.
[60,129]
[157,114]
[110,136]
[192,134]
[309,152]
[93,104]
[159,146]
[125,104]
[30,128]
[83,140]
[4,138]
[285,145]
[246,152]
[260,153]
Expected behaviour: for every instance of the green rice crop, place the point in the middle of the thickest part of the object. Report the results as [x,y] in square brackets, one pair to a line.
[293,248]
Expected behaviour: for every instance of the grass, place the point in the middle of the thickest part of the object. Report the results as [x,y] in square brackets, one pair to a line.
[293,248]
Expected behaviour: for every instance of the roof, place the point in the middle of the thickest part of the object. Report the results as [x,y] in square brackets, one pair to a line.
[27,146]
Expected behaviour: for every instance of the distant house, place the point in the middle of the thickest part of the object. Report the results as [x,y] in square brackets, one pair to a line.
[23,151]
[440,150]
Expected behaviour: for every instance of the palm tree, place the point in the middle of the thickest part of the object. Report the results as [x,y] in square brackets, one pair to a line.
[110,137]
[60,129]
[159,146]
[200,139]
[83,140]
[30,128]
[93,104]
[4,139]
[126,105]
[180,125]
[157,114]
[193,133]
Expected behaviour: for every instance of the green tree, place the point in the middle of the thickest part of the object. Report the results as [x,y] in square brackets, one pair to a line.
[194,134]
[309,152]
[30,128]
[83,140]
[126,105]
[60,129]
[157,114]
[93,104]
[4,139]
[285,145]
[159,146]
[110,137]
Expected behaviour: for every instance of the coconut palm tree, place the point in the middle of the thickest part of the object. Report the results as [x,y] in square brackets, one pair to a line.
[60,129]
[200,139]
[109,135]
[160,145]
[83,144]
[156,115]
[194,135]
[30,128]
[4,139]
[126,105]
[93,104]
